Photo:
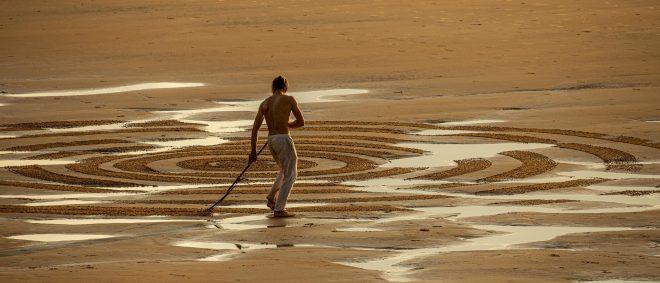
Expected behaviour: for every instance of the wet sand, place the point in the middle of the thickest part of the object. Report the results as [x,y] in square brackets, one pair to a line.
[498,142]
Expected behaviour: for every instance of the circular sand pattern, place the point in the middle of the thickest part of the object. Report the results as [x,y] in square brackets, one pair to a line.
[330,151]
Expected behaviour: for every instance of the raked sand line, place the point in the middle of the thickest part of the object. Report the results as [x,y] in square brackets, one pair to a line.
[42,146]
[543,186]
[622,139]
[47,125]
[464,166]
[532,164]
[37,172]
[58,187]
[614,158]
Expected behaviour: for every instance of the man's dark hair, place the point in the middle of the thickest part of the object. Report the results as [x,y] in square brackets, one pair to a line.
[280,83]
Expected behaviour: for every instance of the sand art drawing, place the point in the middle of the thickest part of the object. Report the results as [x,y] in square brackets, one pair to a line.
[459,172]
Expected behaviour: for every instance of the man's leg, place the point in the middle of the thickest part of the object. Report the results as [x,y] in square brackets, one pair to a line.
[278,180]
[289,165]
[276,186]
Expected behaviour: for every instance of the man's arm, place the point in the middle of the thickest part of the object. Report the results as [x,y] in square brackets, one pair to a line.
[258,120]
[300,120]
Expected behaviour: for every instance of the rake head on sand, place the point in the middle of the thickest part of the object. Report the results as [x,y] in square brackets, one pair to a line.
[238,179]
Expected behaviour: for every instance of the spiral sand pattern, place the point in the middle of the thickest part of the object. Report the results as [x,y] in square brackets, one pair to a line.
[330,153]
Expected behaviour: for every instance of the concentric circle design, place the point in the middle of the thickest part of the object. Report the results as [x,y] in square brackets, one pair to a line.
[329,151]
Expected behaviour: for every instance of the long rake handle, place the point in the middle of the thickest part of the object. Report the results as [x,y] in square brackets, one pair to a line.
[238,179]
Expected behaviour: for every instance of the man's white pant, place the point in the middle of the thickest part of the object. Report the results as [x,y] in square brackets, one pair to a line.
[284,153]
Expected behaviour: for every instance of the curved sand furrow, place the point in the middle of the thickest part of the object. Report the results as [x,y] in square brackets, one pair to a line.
[55,125]
[122,131]
[463,167]
[543,187]
[56,187]
[532,164]
[583,134]
[35,147]
[614,158]
[37,172]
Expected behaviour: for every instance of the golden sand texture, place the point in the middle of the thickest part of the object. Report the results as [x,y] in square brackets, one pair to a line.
[464,166]
[532,164]
[633,193]
[508,137]
[103,150]
[55,187]
[614,158]
[35,147]
[58,154]
[623,139]
[635,141]
[175,211]
[530,130]
[55,125]
[543,187]
[371,174]
[122,131]
[235,164]
[37,172]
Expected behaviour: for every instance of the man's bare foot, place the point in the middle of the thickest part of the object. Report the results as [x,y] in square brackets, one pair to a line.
[271,203]
[283,213]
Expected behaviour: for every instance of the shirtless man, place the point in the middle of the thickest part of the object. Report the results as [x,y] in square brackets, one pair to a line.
[276,109]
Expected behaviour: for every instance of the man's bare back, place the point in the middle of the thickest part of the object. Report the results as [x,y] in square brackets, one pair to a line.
[276,109]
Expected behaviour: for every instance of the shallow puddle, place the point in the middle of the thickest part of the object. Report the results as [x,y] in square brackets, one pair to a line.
[107,90]
[470,122]
[241,223]
[443,154]
[189,142]
[106,127]
[393,270]
[60,237]
[439,132]
[231,249]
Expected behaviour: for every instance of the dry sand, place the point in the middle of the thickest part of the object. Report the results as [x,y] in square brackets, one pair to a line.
[557,181]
